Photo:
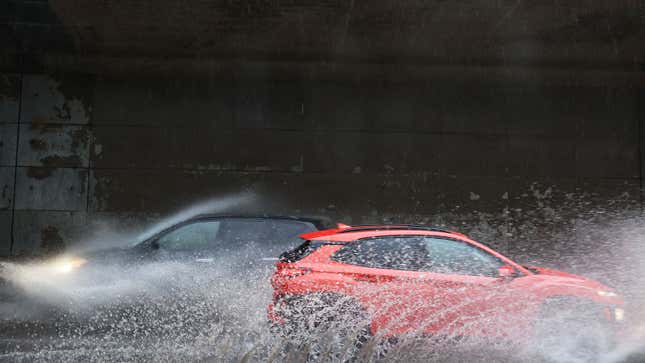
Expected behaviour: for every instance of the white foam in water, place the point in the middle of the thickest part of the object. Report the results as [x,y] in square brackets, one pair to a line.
[175,312]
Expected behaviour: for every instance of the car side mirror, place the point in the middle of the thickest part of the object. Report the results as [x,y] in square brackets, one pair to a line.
[507,272]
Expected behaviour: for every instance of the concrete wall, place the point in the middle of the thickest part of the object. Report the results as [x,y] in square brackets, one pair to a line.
[90,134]
[78,148]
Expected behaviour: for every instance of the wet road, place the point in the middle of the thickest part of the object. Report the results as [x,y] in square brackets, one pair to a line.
[173,332]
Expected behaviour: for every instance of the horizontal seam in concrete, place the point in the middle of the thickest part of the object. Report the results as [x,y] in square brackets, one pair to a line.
[40,25]
[51,210]
[53,124]
[375,64]
[309,130]
[49,166]
[417,173]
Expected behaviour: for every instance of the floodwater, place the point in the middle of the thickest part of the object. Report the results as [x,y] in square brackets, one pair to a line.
[176,312]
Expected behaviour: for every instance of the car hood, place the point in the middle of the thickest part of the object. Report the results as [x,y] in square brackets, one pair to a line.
[568,278]
[112,255]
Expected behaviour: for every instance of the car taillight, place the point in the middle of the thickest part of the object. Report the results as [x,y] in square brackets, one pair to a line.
[286,272]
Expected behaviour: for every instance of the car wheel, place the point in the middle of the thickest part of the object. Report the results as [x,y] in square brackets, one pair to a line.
[572,330]
[328,325]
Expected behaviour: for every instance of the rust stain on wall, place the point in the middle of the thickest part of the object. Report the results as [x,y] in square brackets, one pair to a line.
[39,173]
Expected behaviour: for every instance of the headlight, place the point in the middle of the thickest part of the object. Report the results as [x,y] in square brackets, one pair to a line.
[606,293]
[619,314]
[67,265]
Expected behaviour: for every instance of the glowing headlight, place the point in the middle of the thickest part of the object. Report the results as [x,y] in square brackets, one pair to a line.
[619,314]
[606,293]
[68,265]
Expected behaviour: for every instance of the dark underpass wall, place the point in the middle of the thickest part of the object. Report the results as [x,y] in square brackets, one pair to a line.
[112,116]
[474,155]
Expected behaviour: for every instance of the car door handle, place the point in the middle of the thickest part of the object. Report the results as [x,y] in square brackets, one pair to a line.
[204,260]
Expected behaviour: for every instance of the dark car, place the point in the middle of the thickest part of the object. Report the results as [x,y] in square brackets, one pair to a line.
[206,239]
[219,243]
[182,273]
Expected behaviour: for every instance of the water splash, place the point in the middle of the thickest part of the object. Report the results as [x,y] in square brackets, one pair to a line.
[173,312]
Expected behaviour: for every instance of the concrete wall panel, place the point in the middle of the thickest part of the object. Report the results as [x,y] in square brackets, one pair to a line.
[54,145]
[5,232]
[8,138]
[361,151]
[357,152]
[279,105]
[9,96]
[47,232]
[360,196]
[474,154]
[538,156]
[6,188]
[570,111]
[337,106]
[62,189]
[47,100]
[158,102]
[198,148]
[163,191]
[608,157]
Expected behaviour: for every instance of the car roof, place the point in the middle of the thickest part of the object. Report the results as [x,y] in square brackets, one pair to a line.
[345,233]
[320,223]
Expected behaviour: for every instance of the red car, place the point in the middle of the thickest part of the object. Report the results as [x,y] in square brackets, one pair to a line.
[406,279]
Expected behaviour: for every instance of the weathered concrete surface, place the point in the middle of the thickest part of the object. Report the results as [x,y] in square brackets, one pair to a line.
[584,32]
[473,115]
[5,236]
[360,151]
[46,231]
[44,101]
[453,151]
[154,102]
[45,155]
[9,95]
[8,139]
[53,145]
[6,187]
[51,188]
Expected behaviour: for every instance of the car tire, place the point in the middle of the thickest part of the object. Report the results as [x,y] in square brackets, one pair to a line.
[327,323]
[572,329]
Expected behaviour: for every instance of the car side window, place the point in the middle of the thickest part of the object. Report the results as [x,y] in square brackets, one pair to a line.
[192,237]
[274,236]
[390,252]
[448,256]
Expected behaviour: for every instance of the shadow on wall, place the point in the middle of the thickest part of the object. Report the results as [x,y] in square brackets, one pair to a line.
[34,28]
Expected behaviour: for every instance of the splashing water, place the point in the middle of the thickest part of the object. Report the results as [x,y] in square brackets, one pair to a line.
[110,233]
[176,312]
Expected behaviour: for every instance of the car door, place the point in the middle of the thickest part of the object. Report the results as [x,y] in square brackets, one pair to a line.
[461,286]
[389,282]
[422,285]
